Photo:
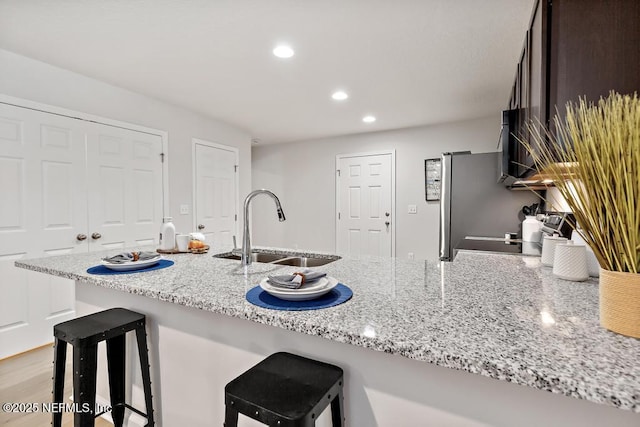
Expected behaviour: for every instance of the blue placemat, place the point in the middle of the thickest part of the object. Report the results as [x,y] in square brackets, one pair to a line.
[101,269]
[337,295]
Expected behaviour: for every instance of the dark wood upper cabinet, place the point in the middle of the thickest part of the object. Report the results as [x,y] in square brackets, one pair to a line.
[574,49]
[595,48]
[537,73]
[579,48]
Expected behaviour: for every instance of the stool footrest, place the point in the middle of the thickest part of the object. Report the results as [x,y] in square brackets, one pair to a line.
[137,411]
[126,405]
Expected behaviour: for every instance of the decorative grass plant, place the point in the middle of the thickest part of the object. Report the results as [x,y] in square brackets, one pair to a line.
[593,157]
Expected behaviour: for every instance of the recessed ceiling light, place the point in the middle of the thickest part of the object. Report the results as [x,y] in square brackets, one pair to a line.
[339,95]
[283,51]
[368,119]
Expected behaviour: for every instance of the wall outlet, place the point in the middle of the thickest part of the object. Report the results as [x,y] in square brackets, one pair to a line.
[412,209]
[184,209]
[411,256]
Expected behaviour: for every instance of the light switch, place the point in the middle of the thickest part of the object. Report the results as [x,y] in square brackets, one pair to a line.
[413,209]
[184,209]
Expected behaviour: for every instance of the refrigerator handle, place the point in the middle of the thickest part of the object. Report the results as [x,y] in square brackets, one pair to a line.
[445,208]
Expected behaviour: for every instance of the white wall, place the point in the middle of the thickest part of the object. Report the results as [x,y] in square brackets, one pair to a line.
[26,78]
[302,174]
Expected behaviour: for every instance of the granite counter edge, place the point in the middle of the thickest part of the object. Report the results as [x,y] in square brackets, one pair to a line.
[495,369]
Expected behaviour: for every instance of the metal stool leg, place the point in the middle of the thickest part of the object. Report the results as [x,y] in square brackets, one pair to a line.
[143,353]
[116,364]
[230,417]
[337,410]
[59,360]
[85,361]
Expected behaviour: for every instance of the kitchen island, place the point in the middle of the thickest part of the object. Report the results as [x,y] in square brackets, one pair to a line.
[484,340]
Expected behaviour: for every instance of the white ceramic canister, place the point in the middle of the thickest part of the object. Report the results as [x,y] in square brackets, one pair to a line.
[531,229]
[570,262]
[167,234]
[592,262]
[548,249]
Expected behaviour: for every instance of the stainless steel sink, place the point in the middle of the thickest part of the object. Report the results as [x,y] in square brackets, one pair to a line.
[305,261]
[255,256]
[283,258]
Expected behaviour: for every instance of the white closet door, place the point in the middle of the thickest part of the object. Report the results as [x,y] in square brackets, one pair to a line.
[42,212]
[62,179]
[125,187]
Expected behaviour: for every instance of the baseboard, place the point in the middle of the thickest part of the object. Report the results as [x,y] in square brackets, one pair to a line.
[40,347]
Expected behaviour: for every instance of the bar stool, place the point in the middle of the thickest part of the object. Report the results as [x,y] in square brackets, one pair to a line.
[286,390]
[84,334]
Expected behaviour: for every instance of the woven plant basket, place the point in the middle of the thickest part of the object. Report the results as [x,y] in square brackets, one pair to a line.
[620,302]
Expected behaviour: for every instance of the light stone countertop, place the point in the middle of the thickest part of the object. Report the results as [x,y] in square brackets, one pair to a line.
[501,316]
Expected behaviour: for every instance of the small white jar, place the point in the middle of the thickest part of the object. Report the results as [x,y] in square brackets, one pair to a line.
[570,262]
[548,249]
[592,262]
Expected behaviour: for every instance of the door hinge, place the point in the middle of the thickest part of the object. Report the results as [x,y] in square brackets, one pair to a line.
[235,168]
[235,217]
[338,170]
[338,215]
[161,157]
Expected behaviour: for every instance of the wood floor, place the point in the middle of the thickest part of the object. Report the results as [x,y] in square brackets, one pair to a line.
[26,378]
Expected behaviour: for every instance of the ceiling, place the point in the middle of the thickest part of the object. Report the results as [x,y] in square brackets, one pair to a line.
[407,62]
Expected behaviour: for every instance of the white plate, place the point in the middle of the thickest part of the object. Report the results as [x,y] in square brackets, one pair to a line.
[314,286]
[301,294]
[131,265]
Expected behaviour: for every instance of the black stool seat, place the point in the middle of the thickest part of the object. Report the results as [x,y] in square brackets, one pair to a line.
[286,390]
[84,333]
[98,327]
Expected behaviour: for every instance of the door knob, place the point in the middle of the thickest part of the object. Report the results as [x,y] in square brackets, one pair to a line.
[81,237]
[387,214]
[200,226]
[96,236]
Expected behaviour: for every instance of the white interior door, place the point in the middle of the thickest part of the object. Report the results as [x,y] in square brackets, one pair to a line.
[215,190]
[125,187]
[42,213]
[364,203]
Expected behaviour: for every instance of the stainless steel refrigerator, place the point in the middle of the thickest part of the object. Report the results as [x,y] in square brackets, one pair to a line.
[473,203]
